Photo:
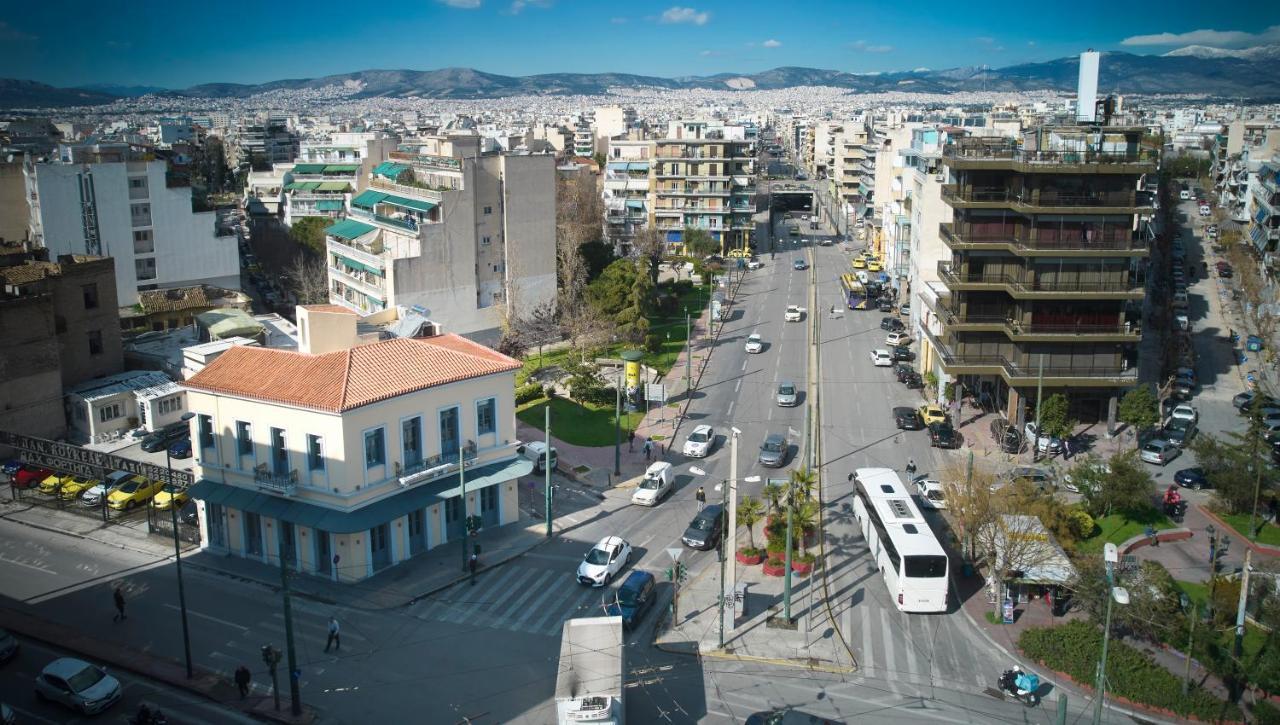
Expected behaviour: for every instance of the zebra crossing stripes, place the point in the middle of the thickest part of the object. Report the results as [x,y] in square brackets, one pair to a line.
[531,600]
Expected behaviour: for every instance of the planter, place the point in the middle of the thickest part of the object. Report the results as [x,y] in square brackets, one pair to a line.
[775,567]
[803,568]
[749,558]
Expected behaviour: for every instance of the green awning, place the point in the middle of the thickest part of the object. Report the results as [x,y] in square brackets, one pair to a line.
[308,168]
[635,204]
[409,203]
[366,199]
[302,186]
[390,169]
[333,186]
[328,205]
[341,168]
[385,510]
[360,266]
[348,229]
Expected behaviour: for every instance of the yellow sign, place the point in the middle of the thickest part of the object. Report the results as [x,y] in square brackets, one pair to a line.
[633,374]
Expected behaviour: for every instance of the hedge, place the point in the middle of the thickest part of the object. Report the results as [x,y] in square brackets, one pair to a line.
[1075,648]
[528,393]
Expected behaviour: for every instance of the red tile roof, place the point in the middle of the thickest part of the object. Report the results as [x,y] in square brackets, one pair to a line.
[348,379]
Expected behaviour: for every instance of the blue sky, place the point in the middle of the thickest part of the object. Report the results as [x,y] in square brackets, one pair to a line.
[181,44]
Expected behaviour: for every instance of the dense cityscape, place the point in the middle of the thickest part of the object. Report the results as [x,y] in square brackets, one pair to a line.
[738,392]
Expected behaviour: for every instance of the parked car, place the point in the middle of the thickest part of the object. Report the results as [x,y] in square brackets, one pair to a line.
[181,449]
[170,495]
[536,451]
[1006,436]
[881,358]
[755,343]
[754,264]
[892,324]
[1040,479]
[942,435]
[1179,432]
[657,484]
[931,413]
[907,419]
[794,313]
[135,491]
[902,352]
[1159,452]
[53,483]
[788,395]
[706,528]
[894,339]
[1192,478]
[74,488]
[773,451]
[1044,443]
[699,442]
[600,565]
[166,436]
[78,685]
[189,514]
[930,493]
[634,597]
[28,476]
[1184,412]
[1245,401]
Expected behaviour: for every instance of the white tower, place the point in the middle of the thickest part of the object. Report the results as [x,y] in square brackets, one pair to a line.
[1087,87]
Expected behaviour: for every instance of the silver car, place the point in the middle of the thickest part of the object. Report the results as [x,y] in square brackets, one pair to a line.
[787,394]
[78,685]
[1159,452]
[773,452]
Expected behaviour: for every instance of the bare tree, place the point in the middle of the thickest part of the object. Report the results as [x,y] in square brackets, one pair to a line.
[969,502]
[307,276]
[1014,543]
[647,245]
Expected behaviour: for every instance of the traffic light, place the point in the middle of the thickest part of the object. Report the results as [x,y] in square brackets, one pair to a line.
[682,572]
[669,573]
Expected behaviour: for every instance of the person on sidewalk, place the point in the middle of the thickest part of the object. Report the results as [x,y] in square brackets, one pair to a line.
[701,497]
[243,678]
[334,639]
[631,441]
[648,448]
[1066,449]
[118,596]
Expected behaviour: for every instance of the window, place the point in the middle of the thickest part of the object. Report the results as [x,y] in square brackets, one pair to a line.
[244,439]
[450,433]
[279,452]
[145,268]
[109,412]
[171,404]
[315,453]
[375,448]
[485,240]
[204,428]
[486,419]
[90,293]
[411,439]
[95,342]
[138,182]
[140,215]
[142,242]
[488,210]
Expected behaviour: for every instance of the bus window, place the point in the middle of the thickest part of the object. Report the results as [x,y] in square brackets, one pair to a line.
[924,567]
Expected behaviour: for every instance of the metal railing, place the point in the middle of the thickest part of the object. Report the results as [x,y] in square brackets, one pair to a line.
[1039,197]
[1028,283]
[282,483]
[958,236]
[1010,151]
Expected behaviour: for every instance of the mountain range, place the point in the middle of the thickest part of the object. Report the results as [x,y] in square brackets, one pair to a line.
[1197,70]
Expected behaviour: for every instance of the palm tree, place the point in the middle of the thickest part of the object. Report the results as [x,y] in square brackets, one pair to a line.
[750,511]
[805,518]
[774,492]
[802,483]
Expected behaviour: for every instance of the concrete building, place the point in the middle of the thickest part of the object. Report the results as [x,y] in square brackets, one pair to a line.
[1237,156]
[320,190]
[1264,224]
[13,202]
[703,180]
[463,236]
[116,202]
[1047,266]
[107,408]
[345,459]
[627,189]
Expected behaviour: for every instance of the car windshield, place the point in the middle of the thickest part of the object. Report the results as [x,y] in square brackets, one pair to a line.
[129,487]
[698,436]
[627,597]
[84,679]
[786,390]
[598,556]
[933,494]
[772,446]
[171,489]
[1153,448]
[701,524]
[651,482]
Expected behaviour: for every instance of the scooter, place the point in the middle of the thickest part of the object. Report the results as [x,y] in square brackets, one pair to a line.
[1021,685]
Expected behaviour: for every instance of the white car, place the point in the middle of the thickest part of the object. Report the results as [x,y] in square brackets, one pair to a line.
[1184,412]
[894,339]
[930,493]
[1045,443]
[755,343]
[881,358]
[78,685]
[657,483]
[604,561]
[754,264]
[699,442]
[794,313]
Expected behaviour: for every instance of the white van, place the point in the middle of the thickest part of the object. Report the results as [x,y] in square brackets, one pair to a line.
[1205,210]
[1185,194]
[657,484]
[536,451]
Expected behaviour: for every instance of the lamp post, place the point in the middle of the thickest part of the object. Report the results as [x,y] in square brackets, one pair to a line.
[1117,594]
[177,552]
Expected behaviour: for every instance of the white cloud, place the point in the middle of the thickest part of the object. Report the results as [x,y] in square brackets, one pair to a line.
[985,39]
[678,14]
[709,53]
[1229,38]
[1031,43]
[866,47]
[771,43]
[518,5]
[461,4]
[618,21]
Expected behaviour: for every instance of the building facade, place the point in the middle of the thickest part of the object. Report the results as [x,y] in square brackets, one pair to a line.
[702,179]
[345,458]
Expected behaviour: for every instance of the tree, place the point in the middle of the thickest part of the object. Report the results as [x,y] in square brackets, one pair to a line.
[969,504]
[1233,468]
[539,327]
[774,492]
[1139,408]
[1054,420]
[611,292]
[698,243]
[307,276]
[648,247]
[309,233]
[513,342]
[750,511]
[1154,612]
[596,256]
[1124,485]
[802,482]
[804,518]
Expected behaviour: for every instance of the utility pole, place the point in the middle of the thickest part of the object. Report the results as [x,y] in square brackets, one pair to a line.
[724,500]
[295,697]
[1244,599]
[786,575]
[688,359]
[546,468]
[1191,639]
[732,537]
[177,554]
[617,424]
[462,481]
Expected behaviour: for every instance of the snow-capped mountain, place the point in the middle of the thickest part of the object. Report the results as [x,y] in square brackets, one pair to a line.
[1256,53]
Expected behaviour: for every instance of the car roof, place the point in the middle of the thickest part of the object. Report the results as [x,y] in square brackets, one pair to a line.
[709,511]
[903,411]
[65,667]
[785,383]
[704,428]
[636,579]
[610,542]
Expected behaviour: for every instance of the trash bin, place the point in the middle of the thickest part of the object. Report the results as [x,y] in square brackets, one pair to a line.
[967,570]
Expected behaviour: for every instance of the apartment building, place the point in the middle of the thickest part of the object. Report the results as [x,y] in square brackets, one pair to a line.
[851,179]
[344,458]
[114,201]
[913,246]
[1045,278]
[627,189]
[319,190]
[703,179]
[1237,156]
[1264,224]
[262,144]
[460,234]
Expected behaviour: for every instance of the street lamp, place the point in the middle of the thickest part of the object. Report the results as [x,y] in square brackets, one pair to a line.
[1120,595]
[177,551]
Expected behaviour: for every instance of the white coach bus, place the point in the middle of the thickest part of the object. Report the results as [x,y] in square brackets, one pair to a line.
[906,550]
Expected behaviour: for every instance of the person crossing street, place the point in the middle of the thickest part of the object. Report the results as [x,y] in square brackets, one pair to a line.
[335,640]
[701,496]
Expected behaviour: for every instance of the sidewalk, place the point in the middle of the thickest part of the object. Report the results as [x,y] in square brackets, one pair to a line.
[130,534]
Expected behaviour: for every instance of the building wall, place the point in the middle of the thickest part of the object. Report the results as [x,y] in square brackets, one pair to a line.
[77,321]
[529,220]
[13,202]
[30,375]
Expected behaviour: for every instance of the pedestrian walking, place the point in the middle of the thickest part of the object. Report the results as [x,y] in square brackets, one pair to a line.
[1066,449]
[701,497]
[334,639]
[631,441]
[911,467]
[648,448]
[242,680]
[118,596]
[472,563]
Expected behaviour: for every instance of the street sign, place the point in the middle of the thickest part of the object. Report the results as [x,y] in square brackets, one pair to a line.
[84,461]
[655,393]
[674,553]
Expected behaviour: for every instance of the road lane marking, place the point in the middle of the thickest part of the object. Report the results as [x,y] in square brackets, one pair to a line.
[42,569]
[201,615]
[479,601]
[737,386]
[544,581]
[890,661]
[866,638]
[557,626]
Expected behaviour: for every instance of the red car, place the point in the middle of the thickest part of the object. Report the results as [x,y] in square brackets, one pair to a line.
[29,476]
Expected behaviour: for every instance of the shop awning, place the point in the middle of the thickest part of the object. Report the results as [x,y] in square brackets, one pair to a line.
[401,201]
[308,168]
[390,169]
[328,205]
[349,229]
[382,511]
[341,168]
[366,199]
[333,186]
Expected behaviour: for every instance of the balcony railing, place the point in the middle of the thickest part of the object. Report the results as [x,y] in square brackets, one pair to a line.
[1027,282]
[281,483]
[1010,151]
[1039,198]
[1029,369]
[363,253]
[434,467]
[405,190]
[960,237]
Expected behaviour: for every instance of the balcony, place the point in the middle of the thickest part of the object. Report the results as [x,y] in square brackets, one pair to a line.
[419,192]
[693,191]
[1037,201]
[367,254]
[1018,242]
[1025,369]
[1025,285]
[434,467]
[1018,331]
[1006,154]
[370,285]
[283,484]
[401,223]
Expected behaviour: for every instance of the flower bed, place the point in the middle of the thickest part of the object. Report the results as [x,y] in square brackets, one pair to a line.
[775,567]
[802,567]
[749,557]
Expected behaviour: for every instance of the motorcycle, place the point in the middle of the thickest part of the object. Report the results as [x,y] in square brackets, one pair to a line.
[147,716]
[1021,685]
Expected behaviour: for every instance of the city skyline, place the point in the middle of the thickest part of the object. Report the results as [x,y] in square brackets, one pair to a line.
[526,37]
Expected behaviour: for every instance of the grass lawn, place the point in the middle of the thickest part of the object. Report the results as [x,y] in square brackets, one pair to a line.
[1197,592]
[1270,533]
[1118,528]
[578,424]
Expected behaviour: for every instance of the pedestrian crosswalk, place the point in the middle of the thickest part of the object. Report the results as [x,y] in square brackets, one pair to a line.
[516,599]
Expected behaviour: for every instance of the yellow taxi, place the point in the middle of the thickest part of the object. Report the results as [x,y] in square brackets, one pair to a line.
[931,414]
[170,495]
[859,263]
[53,482]
[73,486]
[873,265]
[133,491]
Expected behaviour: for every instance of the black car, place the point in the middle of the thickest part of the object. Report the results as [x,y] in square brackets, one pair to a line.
[907,419]
[1192,478]
[1006,436]
[885,304]
[706,528]
[903,352]
[189,514]
[165,437]
[892,324]
[942,435]
[633,598]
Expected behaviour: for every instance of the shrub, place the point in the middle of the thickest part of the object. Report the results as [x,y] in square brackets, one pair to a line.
[653,343]
[528,393]
[1080,523]
[1076,647]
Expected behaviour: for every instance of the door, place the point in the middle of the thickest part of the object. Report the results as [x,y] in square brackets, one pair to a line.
[252,534]
[380,546]
[489,506]
[417,532]
[453,525]
[288,544]
[324,555]
[216,521]
[450,434]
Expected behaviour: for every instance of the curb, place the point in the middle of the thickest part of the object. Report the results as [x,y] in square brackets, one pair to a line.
[1263,549]
[718,654]
[86,537]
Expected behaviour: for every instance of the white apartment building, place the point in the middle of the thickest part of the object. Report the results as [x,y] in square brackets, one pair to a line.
[452,232]
[627,188]
[344,459]
[703,178]
[114,202]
